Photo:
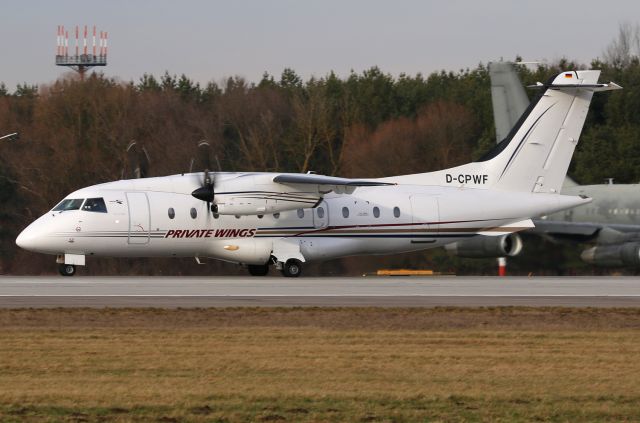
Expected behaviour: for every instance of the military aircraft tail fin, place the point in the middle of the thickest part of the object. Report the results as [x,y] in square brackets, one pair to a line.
[508,97]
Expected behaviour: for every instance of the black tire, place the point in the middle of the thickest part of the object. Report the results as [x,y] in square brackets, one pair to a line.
[258,269]
[67,269]
[292,268]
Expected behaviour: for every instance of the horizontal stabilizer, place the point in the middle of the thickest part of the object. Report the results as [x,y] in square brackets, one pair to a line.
[508,229]
[591,87]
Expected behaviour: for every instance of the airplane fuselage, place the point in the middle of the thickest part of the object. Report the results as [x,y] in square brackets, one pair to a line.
[286,219]
[158,217]
[612,204]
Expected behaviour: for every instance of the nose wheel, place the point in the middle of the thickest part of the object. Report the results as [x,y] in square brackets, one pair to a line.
[67,269]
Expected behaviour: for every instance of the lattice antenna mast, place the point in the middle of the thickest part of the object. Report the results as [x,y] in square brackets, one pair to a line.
[83,60]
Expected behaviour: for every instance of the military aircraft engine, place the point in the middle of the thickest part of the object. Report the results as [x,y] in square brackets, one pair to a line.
[627,254]
[487,246]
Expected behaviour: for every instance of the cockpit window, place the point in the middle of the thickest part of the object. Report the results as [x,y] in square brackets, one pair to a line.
[95,205]
[69,204]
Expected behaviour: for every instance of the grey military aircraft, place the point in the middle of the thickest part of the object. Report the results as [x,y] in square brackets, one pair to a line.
[611,221]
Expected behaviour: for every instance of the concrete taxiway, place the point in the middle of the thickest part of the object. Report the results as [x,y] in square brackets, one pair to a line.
[175,292]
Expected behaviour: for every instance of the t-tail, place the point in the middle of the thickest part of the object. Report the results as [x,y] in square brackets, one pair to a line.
[535,155]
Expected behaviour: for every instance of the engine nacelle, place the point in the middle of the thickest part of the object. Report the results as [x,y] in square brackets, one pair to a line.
[627,254]
[258,194]
[256,204]
[483,246]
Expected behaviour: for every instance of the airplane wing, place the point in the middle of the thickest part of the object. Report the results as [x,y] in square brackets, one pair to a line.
[577,231]
[313,179]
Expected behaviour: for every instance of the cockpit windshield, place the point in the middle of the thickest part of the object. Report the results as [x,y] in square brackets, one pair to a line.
[95,205]
[69,204]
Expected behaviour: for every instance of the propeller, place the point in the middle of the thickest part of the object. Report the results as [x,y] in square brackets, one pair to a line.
[206,191]
[137,161]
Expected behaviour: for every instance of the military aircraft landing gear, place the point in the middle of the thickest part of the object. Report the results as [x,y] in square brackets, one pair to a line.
[292,268]
[67,269]
[258,269]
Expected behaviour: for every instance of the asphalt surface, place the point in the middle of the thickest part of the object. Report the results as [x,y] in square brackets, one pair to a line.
[188,292]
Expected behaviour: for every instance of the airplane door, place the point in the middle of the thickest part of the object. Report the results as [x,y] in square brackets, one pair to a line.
[425,218]
[139,218]
[321,215]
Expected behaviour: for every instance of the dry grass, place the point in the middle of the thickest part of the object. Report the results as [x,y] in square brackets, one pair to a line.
[320,365]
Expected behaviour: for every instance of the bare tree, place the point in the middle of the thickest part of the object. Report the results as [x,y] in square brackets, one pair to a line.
[440,136]
[623,49]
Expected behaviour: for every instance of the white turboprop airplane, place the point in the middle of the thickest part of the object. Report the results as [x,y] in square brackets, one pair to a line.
[286,219]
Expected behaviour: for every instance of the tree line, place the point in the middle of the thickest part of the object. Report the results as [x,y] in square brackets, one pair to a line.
[75,133]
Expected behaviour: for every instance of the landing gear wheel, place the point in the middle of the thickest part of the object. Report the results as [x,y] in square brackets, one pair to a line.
[67,269]
[258,269]
[292,268]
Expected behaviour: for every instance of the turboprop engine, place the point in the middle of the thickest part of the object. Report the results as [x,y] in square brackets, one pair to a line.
[487,246]
[263,202]
[627,254]
[256,194]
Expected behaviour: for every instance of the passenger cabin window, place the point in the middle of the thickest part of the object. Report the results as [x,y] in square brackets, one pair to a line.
[194,213]
[345,212]
[171,212]
[300,213]
[320,212]
[69,204]
[396,211]
[276,215]
[376,212]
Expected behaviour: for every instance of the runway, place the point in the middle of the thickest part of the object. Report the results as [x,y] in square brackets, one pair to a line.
[190,292]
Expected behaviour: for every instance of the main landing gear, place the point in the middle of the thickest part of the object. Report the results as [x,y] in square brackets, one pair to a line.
[67,269]
[292,268]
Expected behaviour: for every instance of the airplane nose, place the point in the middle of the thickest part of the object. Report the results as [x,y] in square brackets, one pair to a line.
[27,239]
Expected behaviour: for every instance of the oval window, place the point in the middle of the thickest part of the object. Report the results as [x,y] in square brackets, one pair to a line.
[300,213]
[194,213]
[320,212]
[276,215]
[171,212]
[216,215]
[345,212]
[396,211]
[260,216]
[376,212]
[237,216]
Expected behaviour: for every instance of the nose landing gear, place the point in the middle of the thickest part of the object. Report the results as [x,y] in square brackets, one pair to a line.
[67,269]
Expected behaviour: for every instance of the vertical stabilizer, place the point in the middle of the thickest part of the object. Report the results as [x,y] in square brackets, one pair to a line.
[540,147]
[535,155]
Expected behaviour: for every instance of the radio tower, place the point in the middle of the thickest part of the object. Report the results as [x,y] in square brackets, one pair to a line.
[83,59]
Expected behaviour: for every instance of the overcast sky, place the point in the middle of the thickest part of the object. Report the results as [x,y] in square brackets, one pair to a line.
[208,40]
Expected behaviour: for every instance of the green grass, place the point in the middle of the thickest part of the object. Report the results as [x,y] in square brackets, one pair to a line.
[311,365]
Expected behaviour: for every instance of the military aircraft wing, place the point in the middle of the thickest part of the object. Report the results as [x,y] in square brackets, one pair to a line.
[566,230]
[578,228]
